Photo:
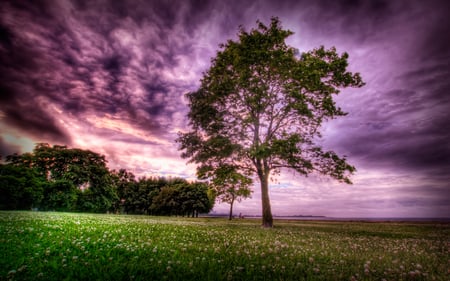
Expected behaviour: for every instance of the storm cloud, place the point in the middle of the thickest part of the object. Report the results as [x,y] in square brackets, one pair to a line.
[111,76]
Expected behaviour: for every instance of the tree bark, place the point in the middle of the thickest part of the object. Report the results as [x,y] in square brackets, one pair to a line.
[267,219]
[230,217]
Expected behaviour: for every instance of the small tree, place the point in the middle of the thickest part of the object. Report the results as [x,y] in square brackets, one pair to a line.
[228,185]
[260,107]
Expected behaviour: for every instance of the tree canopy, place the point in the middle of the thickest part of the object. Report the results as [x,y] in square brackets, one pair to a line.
[260,106]
[228,185]
[59,178]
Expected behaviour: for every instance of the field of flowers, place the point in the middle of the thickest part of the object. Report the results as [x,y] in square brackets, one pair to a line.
[67,246]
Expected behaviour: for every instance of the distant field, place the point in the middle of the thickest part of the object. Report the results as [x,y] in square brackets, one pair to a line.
[66,246]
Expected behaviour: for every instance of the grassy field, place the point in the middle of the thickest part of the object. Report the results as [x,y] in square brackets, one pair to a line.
[66,246]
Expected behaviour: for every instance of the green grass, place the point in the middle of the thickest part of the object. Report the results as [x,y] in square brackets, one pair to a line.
[67,246]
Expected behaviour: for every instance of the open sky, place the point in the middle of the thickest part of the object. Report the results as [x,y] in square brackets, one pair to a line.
[110,76]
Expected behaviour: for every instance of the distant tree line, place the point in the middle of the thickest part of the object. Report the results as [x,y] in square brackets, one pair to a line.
[58,178]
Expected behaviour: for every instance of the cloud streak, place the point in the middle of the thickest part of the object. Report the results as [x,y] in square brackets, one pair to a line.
[111,76]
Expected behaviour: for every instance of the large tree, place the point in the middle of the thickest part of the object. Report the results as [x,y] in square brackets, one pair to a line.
[65,168]
[260,107]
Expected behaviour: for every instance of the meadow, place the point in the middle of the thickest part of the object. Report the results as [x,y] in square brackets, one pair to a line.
[72,246]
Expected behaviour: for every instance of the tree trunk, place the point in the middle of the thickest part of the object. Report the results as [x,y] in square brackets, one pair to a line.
[267,219]
[230,217]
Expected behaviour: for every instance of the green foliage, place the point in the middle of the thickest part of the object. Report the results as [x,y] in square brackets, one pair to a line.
[183,198]
[60,195]
[228,184]
[57,178]
[260,107]
[65,173]
[20,188]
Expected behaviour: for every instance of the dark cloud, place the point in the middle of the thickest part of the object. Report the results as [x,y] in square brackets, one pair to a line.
[356,19]
[404,122]
[21,88]
[8,149]
[76,59]
[405,131]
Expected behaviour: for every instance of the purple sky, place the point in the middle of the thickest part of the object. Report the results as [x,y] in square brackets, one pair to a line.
[110,76]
